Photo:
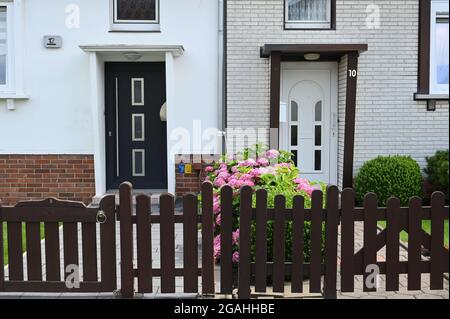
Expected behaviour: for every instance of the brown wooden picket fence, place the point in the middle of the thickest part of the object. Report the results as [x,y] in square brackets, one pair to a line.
[253,273]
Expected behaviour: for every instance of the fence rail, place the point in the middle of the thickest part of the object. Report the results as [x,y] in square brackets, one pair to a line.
[98,258]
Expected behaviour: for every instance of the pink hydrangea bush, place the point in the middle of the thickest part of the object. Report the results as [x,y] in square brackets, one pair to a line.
[272,170]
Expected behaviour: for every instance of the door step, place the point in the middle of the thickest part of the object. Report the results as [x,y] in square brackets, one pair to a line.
[153,193]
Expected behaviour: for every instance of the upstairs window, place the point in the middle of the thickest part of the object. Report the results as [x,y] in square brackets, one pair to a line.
[439,55]
[3,45]
[309,14]
[135,15]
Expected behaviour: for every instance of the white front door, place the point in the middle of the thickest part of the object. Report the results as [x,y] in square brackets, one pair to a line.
[308,128]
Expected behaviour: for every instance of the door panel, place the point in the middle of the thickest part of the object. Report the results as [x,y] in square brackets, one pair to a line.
[307,91]
[135,136]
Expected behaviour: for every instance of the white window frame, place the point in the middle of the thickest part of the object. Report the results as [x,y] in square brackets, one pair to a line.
[134,151]
[437,8]
[9,86]
[133,97]
[301,24]
[133,25]
[133,127]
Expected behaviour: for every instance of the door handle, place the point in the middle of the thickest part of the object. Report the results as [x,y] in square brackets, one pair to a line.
[109,133]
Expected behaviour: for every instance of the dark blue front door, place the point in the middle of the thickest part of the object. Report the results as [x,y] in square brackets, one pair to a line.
[136,143]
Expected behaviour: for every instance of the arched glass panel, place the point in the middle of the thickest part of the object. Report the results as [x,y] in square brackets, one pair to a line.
[294,111]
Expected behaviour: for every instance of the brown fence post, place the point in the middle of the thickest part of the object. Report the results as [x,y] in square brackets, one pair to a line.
[108,244]
[414,243]
[347,240]
[190,243]
[244,291]
[316,241]
[331,244]
[126,240]
[437,240]
[392,244]
[167,239]
[207,240]
[298,217]
[261,241]
[2,261]
[226,249]
[370,236]
[144,243]
[279,244]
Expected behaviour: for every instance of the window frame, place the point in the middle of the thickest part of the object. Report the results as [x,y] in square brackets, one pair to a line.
[134,25]
[434,87]
[9,67]
[310,25]
[424,48]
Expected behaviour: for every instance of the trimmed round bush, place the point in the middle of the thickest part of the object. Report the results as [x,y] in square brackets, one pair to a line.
[437,170]
[389,176]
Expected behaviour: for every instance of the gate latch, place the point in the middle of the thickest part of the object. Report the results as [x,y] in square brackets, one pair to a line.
[101,217]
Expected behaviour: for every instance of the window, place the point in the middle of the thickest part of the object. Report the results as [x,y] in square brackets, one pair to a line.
[3,44]
[433,52]
[6,47]
[309,14]
[135,15]
[439,56]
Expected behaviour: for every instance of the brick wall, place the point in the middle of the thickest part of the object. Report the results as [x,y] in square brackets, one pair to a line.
[388,120]
[191,183]
[27,177]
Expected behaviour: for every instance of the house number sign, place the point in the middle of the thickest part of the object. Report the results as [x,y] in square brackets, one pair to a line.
[53,41]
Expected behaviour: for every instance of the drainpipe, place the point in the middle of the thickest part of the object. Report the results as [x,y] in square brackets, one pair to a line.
[221,119]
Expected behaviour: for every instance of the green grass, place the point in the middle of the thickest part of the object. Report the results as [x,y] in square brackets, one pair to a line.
[426,226]
[24,242]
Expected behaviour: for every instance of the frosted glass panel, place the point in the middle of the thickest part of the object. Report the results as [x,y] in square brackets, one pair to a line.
[294,111]
[308,10]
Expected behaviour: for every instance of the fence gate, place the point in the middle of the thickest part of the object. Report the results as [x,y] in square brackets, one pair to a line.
[191,221]
[28,222]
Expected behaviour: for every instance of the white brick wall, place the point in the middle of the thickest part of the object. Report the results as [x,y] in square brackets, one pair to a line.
[388,120]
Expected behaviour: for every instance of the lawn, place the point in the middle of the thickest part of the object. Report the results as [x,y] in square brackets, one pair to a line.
[24,242]
[426,226]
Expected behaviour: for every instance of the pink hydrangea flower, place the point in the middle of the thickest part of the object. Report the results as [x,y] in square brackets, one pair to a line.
[272,154]
[263,162]
[235,236]
[209,169]
[236,257]
[219,182]
[219,219]
[223,175]
[217,247]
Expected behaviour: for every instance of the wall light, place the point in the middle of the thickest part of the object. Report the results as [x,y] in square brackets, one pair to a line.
[132,56]
[311,56]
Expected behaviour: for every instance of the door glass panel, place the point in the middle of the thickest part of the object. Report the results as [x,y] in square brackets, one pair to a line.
[138,162]
[318,112]
[317,160]
[137,91]
[294,136]
[294,158]
[294,111]
[3,44]
[318,135]
[138,127]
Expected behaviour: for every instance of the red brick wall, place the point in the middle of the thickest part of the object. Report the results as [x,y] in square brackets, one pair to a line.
[191,183]
[30,177]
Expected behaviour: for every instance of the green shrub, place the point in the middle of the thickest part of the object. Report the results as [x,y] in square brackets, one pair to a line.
[437,170]
[389,176]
